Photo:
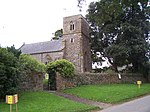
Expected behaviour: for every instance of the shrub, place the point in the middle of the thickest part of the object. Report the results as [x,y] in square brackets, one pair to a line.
[62,66]
[9,73]
[30,64]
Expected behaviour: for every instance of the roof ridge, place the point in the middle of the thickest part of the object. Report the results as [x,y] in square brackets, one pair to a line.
[36,42]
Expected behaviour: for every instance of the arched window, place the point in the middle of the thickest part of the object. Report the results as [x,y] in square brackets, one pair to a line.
[47,59]
[72,26]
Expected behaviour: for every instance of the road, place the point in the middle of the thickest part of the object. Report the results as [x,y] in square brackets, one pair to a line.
[138,105]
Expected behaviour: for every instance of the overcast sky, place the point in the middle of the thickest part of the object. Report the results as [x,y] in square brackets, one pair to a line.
[33,21]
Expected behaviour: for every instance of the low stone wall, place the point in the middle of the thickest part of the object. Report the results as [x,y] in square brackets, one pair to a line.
[96,78]
[63,83]
[33,82]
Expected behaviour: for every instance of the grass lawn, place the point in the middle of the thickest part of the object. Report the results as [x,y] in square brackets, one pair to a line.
[112,93]
[46,102]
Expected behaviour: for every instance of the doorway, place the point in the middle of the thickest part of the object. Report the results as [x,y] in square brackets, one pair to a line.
[52,81]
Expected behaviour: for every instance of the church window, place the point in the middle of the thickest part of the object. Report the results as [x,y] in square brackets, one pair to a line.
[72,26]
[71,40]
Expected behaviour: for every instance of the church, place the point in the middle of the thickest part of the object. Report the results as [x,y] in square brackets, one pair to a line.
[73,46]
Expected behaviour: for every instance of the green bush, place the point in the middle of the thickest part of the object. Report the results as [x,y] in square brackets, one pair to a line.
[31,65]
[9,73]
[13,68]
[62,66]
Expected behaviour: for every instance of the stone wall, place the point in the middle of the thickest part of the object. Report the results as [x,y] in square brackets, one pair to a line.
[63,83]
[33,82]
[49,56]
[96,78]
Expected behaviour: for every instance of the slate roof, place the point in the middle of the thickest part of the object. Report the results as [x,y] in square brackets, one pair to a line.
[48,46]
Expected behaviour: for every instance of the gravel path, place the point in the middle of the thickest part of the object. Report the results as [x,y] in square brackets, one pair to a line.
[82,100]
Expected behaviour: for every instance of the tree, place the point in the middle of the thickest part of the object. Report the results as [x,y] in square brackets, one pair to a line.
[15,51]
[119,31]
[80,3]
[58,34]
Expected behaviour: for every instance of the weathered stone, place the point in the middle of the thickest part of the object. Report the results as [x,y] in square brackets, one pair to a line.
[77,47]
[33,81]
[96,78]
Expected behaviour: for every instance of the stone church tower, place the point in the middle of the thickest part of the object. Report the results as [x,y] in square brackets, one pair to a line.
[77,46]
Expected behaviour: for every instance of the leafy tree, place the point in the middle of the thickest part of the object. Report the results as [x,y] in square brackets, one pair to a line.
[9,73]
[64,67]
[80,3]
[58,34]
[119,31]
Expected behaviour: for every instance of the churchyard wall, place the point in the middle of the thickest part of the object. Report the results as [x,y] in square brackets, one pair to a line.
[96,78]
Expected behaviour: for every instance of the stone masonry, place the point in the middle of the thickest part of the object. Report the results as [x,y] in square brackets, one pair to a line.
[77,47]
[96,78]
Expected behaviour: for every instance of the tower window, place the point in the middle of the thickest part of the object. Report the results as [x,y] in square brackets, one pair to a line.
[71,40]
[72,26]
